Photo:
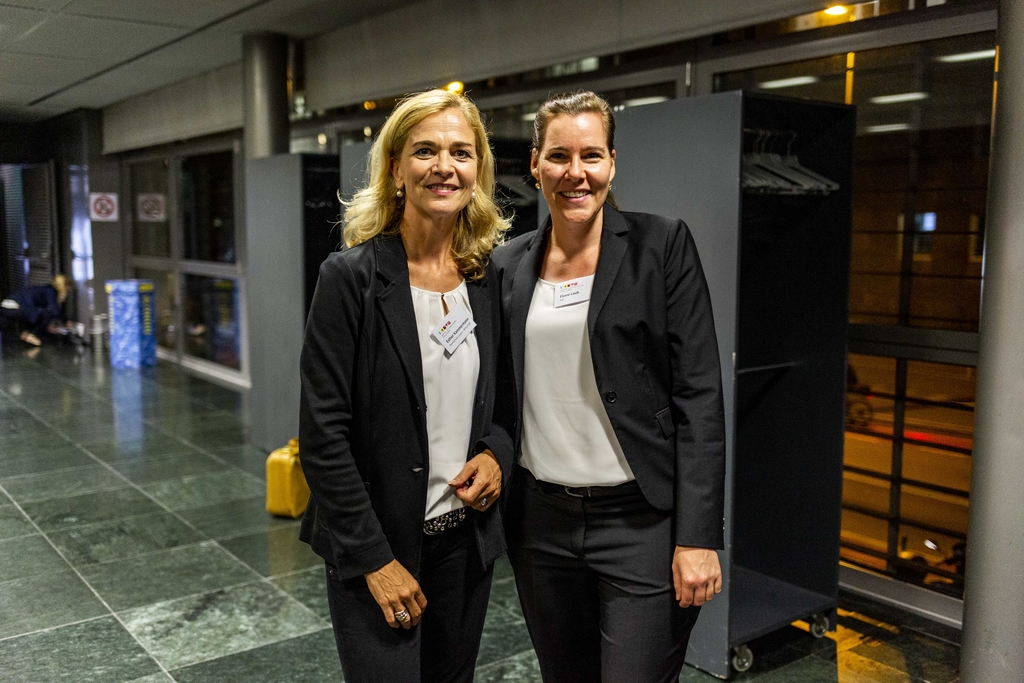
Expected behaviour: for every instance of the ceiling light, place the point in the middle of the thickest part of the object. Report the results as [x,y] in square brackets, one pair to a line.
[967,56]
[322,139]
[901,97]
[930,544]
[367,131]
[641,101]
[532,116]
[369,104]
[455,87]
[836,10]
[788,82]
[888,128]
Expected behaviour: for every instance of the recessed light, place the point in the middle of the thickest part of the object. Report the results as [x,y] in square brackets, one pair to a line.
[887,128]
[836,10]
[900,97]
[967,56]
[788,82]
[641,101]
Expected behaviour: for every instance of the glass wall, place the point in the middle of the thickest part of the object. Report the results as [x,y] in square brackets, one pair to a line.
[920,184]
[208,207]
[151,233]
[187,246]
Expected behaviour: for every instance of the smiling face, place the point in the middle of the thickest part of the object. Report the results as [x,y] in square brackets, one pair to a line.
[437,167]
[575,167]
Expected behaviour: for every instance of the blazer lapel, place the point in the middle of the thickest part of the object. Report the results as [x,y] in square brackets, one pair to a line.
[522,294]
[481,305]
[613,248]
[395,302]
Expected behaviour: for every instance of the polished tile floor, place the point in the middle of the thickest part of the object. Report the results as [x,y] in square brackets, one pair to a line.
[134,546]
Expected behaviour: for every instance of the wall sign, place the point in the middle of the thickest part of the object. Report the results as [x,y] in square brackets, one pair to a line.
[151,208]
[103,206]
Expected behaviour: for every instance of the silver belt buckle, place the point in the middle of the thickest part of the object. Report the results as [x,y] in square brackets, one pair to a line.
[578,495]
[441,523]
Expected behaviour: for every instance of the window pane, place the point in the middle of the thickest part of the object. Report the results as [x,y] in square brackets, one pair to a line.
[936,466]
[932,559]
[166,332]
[864,532]
[934,508]
[868,453]
[151,233]
[211,319]
[865,493]
[208,207]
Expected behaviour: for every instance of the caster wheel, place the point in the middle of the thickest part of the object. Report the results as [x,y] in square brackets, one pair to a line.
[742,658]
[819,625]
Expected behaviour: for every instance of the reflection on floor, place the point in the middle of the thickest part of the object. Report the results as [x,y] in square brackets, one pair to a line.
[134,546]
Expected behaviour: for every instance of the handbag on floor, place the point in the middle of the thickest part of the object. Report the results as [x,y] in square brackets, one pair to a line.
[287,491]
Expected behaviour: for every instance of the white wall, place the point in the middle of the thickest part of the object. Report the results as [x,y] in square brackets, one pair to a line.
[435,41]
[204,104]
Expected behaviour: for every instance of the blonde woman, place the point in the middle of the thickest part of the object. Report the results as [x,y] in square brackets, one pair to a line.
[36,310]
[398,383]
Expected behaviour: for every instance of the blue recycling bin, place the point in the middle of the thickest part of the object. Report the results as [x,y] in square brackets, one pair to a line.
[132,323]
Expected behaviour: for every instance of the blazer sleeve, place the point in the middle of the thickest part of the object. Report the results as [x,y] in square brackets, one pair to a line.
[698,407]
[327,368]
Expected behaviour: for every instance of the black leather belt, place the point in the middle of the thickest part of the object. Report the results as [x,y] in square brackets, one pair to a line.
[582,491]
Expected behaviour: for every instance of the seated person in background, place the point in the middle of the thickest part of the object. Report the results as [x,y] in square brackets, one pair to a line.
[36,310]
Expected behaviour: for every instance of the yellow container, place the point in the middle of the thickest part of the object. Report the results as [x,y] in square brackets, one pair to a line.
[287,491]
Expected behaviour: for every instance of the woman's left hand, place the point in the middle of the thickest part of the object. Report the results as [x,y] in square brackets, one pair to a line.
[478,485]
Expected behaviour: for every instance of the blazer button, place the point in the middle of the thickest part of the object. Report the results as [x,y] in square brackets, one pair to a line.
[611,397]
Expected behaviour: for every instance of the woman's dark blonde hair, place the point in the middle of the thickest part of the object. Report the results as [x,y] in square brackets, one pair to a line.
[376,209]
[574,104]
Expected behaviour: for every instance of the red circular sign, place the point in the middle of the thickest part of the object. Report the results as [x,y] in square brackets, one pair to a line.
[103,206]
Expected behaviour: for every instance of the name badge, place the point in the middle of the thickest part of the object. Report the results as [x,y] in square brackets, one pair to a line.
[573,291]
[454,328]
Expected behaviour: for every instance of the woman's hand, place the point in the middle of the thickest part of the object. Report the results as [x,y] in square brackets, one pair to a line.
[697,575]
[479,483]
[396,591]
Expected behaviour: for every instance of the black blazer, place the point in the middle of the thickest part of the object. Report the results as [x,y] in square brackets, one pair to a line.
[362,428]
[652,338]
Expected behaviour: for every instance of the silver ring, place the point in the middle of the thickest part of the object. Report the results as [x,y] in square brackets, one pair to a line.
[402,615]
[483,502]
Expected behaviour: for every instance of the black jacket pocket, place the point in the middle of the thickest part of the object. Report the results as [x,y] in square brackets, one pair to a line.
[668,425]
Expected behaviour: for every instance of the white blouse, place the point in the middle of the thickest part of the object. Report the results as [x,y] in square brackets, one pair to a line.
[449,387]
[567,436]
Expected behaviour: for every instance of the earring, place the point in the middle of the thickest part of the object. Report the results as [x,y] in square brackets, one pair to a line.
[472,195]
[537,185]
[609,187]
[400,194]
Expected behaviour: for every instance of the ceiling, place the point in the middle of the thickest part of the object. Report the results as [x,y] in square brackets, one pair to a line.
[59,55]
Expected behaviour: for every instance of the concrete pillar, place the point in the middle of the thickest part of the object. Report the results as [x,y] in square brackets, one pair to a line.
[993,637]
[265,76]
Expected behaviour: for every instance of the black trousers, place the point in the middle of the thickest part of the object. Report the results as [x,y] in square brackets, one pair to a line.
[595,581]
[442,648]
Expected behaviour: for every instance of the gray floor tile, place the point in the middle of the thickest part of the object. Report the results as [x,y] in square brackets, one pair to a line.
[311,658]
[45,601]
[64,513]
[98,651]
[199,628]
[28,556]
[235,518]
[26,443]
[198,490]
[217,438]
[273,552]
[43,460]
[28,488]
[504,636]
[154,444]
[246,457]
[308,587]
[803,671]
[13,523]
[919,656]
[504,594]
[521,668]
[152,469]
[106,541]
[165,575]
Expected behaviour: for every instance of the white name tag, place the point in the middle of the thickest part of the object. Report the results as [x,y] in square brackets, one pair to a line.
[574,291]
[453,328]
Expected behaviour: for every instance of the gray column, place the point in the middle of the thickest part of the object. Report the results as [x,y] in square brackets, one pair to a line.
[265,76]
[993,637]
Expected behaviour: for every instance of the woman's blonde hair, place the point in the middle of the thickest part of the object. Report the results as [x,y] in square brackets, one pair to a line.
[376,209]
